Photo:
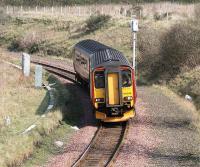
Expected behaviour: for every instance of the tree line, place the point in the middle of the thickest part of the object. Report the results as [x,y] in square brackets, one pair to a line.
[79,2]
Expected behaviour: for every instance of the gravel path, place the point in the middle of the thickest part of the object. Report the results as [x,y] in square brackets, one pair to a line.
[162,134]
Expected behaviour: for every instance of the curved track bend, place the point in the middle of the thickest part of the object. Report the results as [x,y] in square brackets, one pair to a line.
[104,147]
[108,139]
[66,73]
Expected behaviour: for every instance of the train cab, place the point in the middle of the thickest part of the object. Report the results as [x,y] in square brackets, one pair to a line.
[114,94]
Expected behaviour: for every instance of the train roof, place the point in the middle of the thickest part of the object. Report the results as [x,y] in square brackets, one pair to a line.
[101,55]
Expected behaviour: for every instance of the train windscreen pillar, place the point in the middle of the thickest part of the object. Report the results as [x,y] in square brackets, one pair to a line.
[38,76]
[26,64]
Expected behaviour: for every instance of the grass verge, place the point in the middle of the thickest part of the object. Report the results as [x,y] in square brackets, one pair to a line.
[187,106]
[24,105]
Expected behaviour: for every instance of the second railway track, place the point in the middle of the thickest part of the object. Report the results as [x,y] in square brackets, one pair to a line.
[104,147]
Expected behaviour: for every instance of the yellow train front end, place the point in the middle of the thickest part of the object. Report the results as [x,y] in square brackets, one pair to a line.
[113,94]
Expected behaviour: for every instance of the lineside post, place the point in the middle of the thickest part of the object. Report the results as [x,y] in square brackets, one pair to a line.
[38,76]
[134,28]
[26,64]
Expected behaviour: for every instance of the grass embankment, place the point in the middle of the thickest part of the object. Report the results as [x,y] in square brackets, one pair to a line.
[24,105]
[186,106]
[70,106]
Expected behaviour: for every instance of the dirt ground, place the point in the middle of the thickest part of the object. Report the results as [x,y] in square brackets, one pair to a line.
[161,134]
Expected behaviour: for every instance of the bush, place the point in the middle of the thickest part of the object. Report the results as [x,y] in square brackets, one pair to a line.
[96,22]
[161,16]
[181,48]
[29,42]
[4,17]
[188,83]
[165,54]
[149,44]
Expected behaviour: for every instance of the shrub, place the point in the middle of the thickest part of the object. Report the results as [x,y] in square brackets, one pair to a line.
[149,44]
[181,48]
[4,17]
[161,16]
[188,83]
[96,22]
[29,42]
[134,10]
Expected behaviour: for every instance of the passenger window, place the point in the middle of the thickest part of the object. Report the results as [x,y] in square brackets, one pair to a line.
[99,79]
[126,78]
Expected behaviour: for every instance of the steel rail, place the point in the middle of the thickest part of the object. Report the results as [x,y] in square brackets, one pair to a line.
[104,147]
[57,70]
[106,143]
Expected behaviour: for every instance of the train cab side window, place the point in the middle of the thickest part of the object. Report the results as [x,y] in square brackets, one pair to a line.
[99,79]
[126,78]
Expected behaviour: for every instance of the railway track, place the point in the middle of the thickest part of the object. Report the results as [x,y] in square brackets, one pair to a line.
[66,73]
[104,147]
[108,139]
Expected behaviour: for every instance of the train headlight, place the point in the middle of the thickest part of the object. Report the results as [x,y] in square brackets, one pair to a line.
[128,98]
[99,100]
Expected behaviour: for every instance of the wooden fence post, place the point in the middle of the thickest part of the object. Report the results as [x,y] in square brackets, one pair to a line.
[102,11]
[79,11]
[90,11]
[61,10]
[7,10]
[52,9]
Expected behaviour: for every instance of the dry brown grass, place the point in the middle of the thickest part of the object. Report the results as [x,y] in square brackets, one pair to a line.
[188,83]
[148,10]
[197,12]
[20,101]
[183,10]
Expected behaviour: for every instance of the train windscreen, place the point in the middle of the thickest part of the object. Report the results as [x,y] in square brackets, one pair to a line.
[126,78]
[99,79]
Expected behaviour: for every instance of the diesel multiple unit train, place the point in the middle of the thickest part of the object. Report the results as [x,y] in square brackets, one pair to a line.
[110,79]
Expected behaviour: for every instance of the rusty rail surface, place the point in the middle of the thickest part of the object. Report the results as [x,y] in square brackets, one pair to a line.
[61,71]
[104,147]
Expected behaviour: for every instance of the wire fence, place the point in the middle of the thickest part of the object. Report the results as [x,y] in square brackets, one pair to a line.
[139,10]
[81,11]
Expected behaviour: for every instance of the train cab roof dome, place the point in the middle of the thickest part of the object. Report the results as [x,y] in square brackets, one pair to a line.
[101,54]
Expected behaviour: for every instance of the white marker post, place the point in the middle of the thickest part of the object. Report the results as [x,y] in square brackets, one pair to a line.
[26,64]
[38,76]
[134,28]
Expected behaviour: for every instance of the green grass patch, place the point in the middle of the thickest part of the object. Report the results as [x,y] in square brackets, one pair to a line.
[47,148]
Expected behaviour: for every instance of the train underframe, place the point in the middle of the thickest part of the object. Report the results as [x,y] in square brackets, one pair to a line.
[113,117]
